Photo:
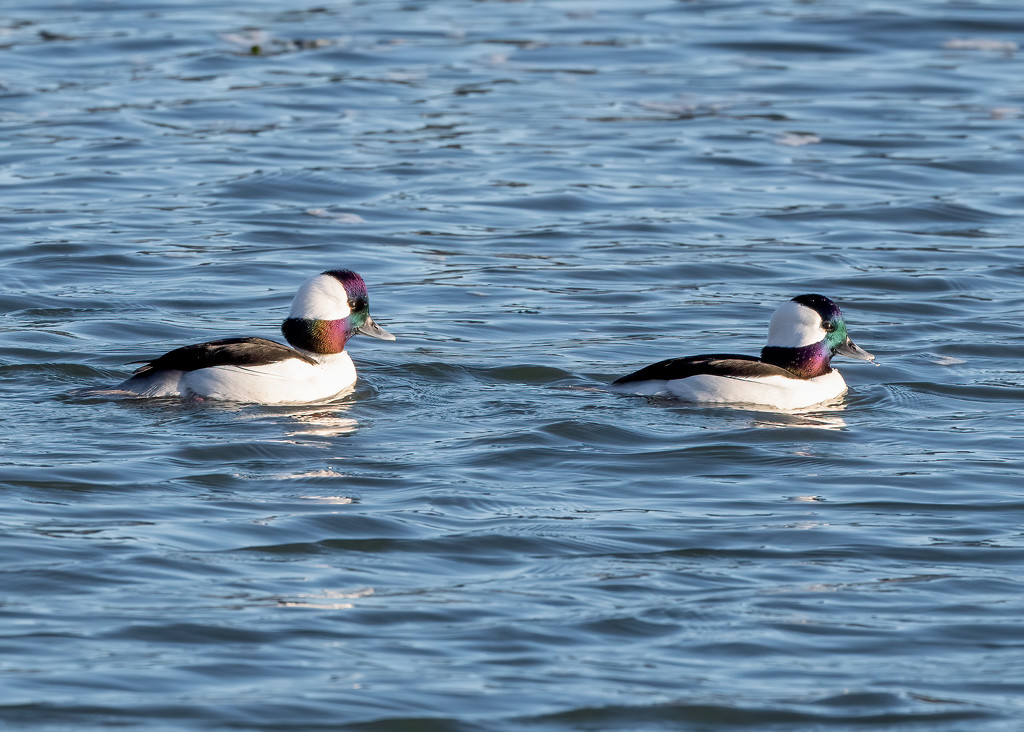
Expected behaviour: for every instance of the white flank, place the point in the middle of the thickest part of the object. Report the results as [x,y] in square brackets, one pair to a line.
[779,392]
[291,381]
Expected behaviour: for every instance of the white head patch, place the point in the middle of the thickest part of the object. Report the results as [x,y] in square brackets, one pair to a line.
[795,325]
[322,298]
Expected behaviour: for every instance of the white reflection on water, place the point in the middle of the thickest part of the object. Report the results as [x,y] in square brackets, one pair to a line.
[825,416]
[322,424]
[311,421]
[336,500]
[328,599]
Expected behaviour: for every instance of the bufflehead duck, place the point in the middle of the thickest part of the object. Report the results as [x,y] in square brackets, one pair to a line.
[793,371]
[327,310]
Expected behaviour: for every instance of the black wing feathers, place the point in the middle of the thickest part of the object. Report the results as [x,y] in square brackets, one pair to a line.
[718,364]
[225,352]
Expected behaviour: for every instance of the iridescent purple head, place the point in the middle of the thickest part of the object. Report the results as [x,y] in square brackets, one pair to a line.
[355,288]
[805,333]
[329,309]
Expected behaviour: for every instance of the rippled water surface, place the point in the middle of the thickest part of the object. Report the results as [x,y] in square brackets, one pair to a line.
[542,196]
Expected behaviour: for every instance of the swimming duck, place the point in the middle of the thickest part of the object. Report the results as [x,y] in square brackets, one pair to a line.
[793,371]
[326,312]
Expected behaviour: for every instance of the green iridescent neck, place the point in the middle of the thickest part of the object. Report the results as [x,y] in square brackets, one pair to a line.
[318,336]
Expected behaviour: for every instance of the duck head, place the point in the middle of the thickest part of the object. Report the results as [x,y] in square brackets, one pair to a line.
[805,333]
[328,310]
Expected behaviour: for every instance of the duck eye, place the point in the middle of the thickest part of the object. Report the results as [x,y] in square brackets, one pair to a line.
[829,327]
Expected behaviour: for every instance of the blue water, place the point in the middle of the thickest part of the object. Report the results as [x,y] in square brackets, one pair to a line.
[542,196]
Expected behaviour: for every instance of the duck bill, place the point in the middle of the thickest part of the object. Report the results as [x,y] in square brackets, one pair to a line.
[373,330]
[852,350]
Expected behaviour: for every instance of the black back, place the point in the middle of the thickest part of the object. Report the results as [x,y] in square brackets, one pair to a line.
[225,352]
[718,364]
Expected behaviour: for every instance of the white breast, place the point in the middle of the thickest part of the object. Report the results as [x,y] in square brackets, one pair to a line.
[779,392]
